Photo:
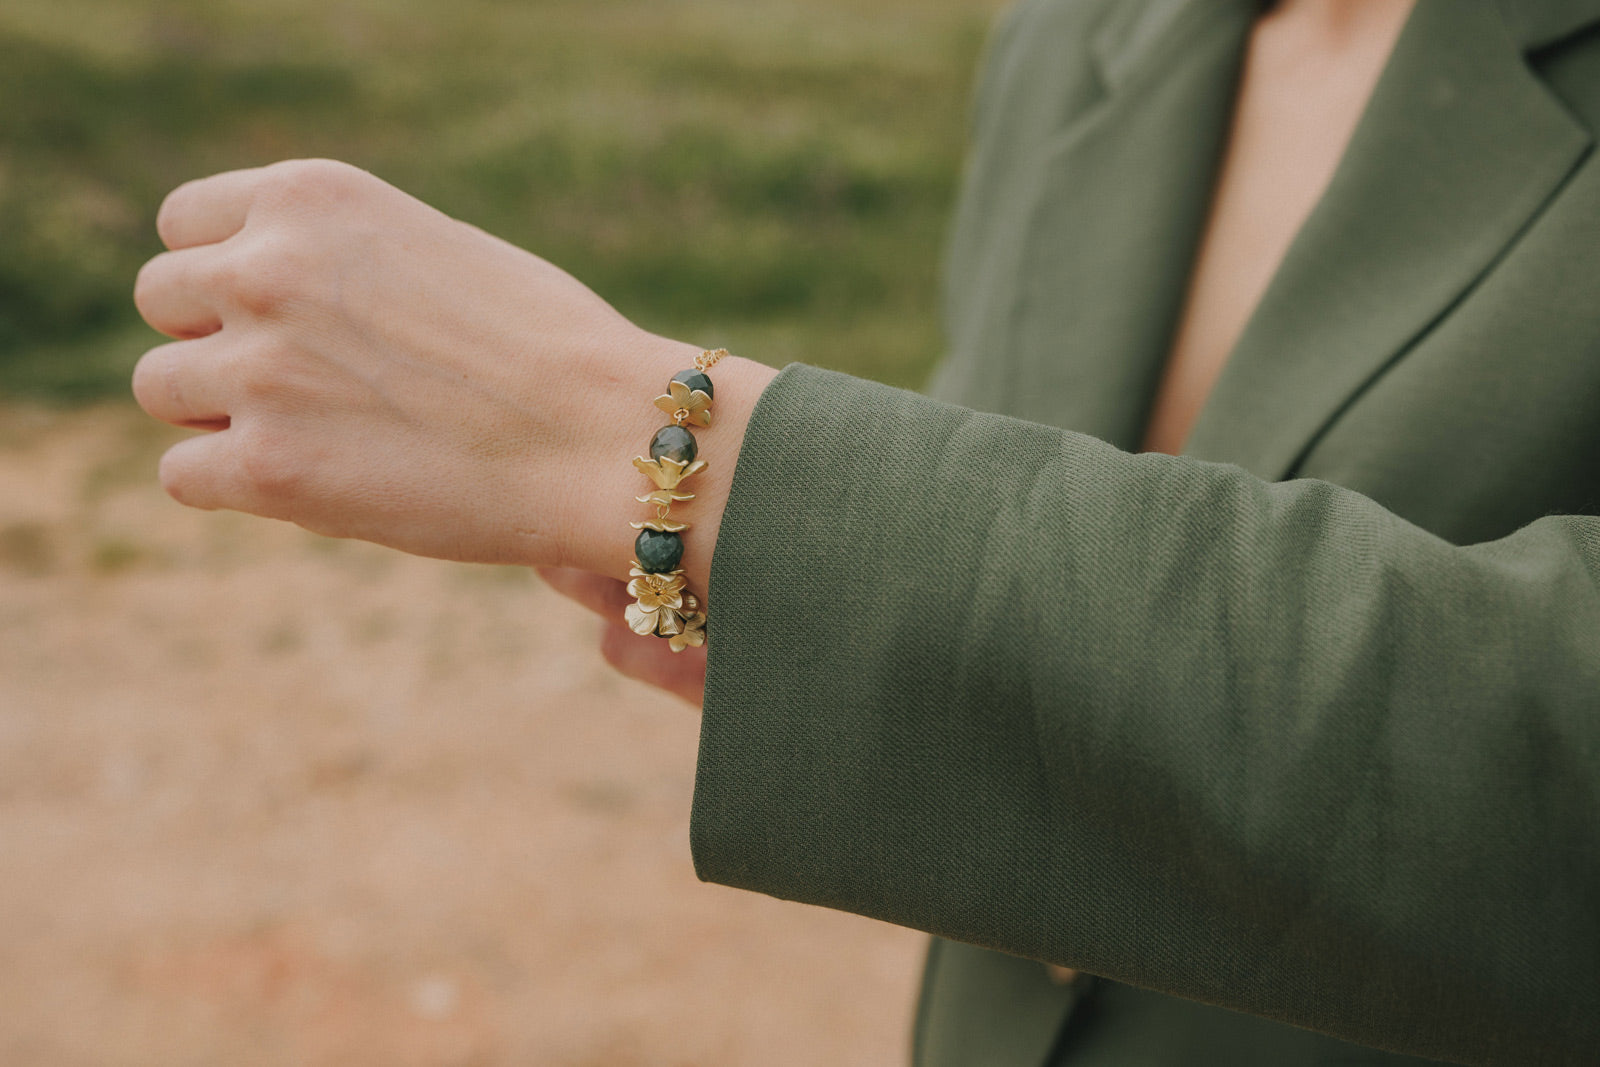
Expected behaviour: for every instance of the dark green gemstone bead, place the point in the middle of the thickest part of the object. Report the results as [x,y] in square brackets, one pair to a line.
[695,379]
[658,552]
[673,442]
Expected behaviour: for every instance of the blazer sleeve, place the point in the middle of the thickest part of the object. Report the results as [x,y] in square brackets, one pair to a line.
[1266,746]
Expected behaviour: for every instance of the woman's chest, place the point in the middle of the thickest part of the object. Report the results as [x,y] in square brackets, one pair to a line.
[1308,71]
[1432,336]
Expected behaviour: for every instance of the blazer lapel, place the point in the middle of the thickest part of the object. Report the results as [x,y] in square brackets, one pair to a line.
[1125,188]
[1537,23]
[1460,148]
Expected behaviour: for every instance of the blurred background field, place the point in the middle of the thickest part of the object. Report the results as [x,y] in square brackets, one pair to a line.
[271,799]
[770,175]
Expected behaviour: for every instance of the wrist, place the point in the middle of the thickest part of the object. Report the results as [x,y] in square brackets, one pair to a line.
[621,422]
[739,384]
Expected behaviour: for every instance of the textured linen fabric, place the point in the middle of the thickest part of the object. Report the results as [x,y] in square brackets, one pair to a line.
[1304,727]
[1265,745]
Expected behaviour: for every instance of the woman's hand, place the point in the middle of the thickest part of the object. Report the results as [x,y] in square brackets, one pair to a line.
[369,367]
[373,368]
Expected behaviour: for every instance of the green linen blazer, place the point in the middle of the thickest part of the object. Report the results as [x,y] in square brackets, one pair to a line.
[1295,739]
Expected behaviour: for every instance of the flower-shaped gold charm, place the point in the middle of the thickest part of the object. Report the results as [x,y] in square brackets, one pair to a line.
[659,598]
[680,403]
[693,633]
[667,472]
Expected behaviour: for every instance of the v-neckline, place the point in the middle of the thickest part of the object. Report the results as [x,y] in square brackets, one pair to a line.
[1193,361]
[1460,147]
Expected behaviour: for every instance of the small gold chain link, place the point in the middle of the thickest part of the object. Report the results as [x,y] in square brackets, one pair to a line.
[708,359]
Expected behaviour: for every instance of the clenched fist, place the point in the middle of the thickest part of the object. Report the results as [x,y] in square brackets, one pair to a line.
[372,368]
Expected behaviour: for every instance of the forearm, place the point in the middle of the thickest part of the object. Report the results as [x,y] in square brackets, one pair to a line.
[1266,746]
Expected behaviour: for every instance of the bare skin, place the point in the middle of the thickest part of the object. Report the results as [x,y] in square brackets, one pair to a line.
[367,367]
[1310,68]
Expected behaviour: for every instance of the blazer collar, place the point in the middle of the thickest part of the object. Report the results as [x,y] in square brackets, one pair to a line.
[1127,31]
[1461,146]
[1122,198]
[1535,24]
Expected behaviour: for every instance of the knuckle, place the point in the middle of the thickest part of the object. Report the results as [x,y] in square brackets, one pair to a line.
[273,467]
[224,276]
[261,382]
[270,374]
[261,277]
[315,183]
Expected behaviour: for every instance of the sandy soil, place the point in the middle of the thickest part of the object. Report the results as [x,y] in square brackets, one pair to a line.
[271,799]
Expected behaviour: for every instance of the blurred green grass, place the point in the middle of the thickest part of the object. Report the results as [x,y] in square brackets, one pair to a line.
[765,175]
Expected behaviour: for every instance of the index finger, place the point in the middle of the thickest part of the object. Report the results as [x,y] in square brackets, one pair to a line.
[207,210]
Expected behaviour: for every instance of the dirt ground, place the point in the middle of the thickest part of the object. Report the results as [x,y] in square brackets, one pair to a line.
[271,799]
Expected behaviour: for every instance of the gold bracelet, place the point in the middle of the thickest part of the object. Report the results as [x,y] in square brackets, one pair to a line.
[662,606]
